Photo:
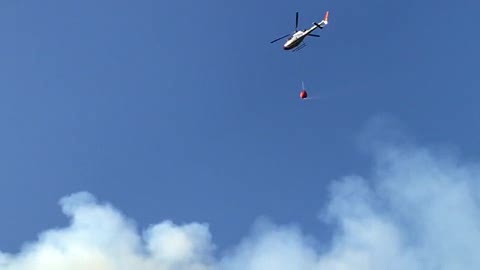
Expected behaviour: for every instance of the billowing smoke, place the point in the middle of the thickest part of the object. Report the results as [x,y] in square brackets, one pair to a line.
[417,210]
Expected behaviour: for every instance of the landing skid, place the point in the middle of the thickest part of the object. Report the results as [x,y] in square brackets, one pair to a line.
[299,47]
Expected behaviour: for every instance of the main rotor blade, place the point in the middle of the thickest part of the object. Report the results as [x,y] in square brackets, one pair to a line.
[279,38]
[296,22]
[313,35]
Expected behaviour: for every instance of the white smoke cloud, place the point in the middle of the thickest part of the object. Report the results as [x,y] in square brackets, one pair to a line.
[417,210]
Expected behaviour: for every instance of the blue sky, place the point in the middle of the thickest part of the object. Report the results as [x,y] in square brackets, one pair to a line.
[183,110]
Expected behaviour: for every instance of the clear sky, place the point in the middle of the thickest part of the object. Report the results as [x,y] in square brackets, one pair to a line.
[183,110]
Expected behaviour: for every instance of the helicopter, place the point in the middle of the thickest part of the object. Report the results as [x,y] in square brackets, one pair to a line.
[299,35]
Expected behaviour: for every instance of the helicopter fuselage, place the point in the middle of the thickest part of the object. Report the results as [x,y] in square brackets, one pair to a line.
[298,38]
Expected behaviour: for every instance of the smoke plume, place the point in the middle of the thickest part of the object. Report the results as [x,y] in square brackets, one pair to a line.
[418,209]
